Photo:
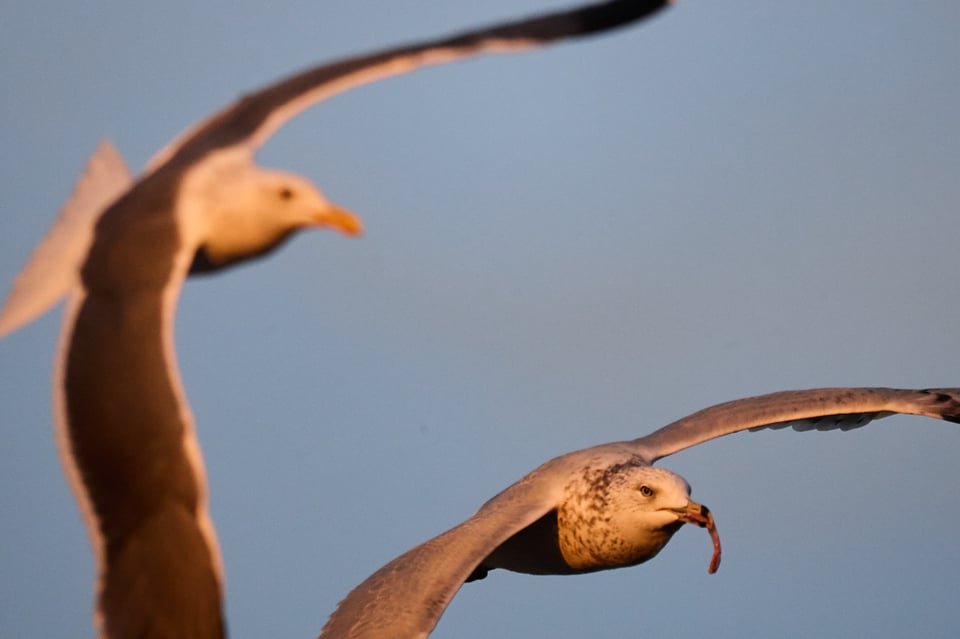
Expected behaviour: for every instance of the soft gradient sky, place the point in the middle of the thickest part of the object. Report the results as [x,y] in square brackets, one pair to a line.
[564,248]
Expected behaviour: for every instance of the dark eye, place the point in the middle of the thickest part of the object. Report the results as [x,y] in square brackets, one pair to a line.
[286,193]
[646,491]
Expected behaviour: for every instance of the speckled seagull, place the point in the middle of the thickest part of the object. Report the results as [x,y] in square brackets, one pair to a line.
[119,253]
[596,509]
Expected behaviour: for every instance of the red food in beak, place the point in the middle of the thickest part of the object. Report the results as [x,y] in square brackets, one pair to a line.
[701,516]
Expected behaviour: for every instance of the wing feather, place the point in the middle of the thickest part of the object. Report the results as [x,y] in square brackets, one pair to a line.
[250,121]
[407,596]
[53,268]
[803,410]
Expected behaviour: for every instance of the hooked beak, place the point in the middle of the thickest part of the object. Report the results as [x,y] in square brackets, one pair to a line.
[700,515]
[339,219]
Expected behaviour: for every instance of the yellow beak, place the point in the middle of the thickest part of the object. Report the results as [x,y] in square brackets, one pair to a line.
[340,219]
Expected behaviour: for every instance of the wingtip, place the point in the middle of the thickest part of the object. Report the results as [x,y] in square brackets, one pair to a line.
[948,402]
[10,320]
[602,17]
[29,298]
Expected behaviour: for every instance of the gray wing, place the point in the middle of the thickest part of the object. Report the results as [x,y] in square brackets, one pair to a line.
[253,119]
[816,409]
[406,597]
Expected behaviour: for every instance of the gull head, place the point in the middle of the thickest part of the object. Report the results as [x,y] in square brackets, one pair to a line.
[623,514]
[248,212]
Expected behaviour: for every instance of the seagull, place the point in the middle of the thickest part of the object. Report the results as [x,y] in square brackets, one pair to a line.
[119,253]
[598,508]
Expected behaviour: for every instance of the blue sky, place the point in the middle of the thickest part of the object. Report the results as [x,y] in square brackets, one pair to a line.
[563,248]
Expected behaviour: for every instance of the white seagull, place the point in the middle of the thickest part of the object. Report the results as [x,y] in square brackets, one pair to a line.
[598,508]
[119,253]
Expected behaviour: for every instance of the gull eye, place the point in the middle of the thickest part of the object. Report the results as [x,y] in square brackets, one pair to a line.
[286,193]
[646,491]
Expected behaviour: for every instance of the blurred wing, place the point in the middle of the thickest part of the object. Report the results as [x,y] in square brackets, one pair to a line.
[817,409]
[53,268]
[406,598]
[254,118]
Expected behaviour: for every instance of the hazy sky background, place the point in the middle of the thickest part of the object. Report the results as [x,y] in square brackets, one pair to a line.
[563,248]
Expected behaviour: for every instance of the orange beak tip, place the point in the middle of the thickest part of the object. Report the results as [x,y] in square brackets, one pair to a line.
[344,221]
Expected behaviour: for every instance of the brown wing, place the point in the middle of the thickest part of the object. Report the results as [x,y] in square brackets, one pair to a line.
[253,119]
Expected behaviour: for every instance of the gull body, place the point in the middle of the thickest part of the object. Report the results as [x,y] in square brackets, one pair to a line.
[119,253]
[599,508]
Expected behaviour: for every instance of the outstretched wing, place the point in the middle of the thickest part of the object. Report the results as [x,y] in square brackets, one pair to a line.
[816,409]
[254,118]
[54,266]
[406,598]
